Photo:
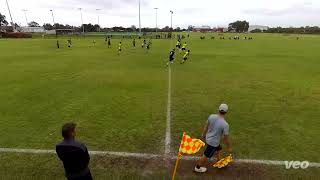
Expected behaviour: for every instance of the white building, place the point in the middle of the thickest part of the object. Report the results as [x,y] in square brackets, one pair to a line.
[262,28]
[202,29]
[33,29]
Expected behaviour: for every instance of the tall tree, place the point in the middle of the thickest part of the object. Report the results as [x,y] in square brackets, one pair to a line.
[3,20]
[239,26]
[133,27]
[165,29]
[190,28]
[96,28]
[33,24]
[48,26]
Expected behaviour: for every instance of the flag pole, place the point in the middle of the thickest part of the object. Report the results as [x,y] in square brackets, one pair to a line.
[179,156]
[176,165]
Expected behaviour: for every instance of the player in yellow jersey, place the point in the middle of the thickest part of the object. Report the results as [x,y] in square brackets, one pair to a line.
[178,45]
[185,57]
[184,47]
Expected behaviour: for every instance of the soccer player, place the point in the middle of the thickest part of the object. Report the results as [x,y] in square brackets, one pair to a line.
[58,45]
[185,57]
[109,42]
[148,45]
[215,129]
[119,48]
[178,45]
[94,42]
[69,43]
[143,44]
[171,57]
[134,43]
[106,39]
[184,46]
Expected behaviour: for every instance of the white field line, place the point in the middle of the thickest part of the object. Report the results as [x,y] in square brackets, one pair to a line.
[168,124]
[147,156]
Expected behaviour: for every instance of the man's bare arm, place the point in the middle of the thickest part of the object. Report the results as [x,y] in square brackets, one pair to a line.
[205,130]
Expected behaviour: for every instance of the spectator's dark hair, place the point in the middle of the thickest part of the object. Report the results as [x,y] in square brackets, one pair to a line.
[67,129]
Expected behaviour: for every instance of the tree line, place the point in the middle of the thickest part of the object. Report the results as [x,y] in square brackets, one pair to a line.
[291,30]
[96,28]
[237,26]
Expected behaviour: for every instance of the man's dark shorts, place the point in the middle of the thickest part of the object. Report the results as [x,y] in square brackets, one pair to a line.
[210,150]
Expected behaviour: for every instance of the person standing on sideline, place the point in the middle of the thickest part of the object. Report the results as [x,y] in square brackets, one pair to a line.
[109,42]
[73,154]
[215,129]
[134,43]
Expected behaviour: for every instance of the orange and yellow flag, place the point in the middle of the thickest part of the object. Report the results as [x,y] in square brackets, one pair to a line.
[223,162]
[190,146]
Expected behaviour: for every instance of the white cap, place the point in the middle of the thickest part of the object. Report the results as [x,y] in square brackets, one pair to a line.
[223,108]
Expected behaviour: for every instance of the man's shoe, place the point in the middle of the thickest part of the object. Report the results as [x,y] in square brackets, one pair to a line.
[200,170]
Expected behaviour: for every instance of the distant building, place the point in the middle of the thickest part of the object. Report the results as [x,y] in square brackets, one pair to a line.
[50,31]
[33,29]
[65,31]
[221,30]
[262,28]
[6,29]
[202,29]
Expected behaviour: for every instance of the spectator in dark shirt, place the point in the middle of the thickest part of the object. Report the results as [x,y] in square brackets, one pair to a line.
[73,154]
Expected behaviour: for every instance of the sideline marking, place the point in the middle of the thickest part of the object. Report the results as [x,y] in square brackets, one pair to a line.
[168,126]
[146,156]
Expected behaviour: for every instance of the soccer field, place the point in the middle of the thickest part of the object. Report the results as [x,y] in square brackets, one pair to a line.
[119,102]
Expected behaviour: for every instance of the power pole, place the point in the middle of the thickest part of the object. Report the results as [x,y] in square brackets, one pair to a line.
[12,24]
[98,18]
[81,20]
[171,18]
[139,17]
[54,24]
[25,15]
[156,19]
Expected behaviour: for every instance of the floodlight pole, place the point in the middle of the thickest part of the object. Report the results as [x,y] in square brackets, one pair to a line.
[171,12]
[25,15]
[156,19]
[54,24]
[139,17]
[81,20]
[13,25]
[98,18]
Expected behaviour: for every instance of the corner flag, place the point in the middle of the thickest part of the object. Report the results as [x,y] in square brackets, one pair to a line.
[188,146]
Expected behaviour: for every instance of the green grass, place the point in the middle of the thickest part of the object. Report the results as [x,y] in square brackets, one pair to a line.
[118,102]
[48,167]
[272,85]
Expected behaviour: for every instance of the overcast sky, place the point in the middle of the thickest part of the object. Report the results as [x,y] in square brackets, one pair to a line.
[186,12]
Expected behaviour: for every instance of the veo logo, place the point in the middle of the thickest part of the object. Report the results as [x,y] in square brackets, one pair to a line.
[297,164]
